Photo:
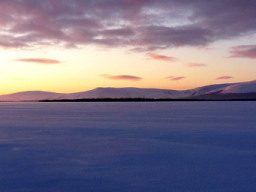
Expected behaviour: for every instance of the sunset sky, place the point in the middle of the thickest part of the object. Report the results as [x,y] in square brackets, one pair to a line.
[77,45]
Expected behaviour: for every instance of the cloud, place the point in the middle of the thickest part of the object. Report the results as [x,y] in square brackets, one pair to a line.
[39,61]
[161,57]
[247,51]
[197,65]
[141,25]
[204,48]
[119,32]
[172,78]
[161,37]
[122,77]
[224,77]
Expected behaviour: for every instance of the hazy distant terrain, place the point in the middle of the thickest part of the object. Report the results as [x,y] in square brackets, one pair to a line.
[128,147]
[245,90]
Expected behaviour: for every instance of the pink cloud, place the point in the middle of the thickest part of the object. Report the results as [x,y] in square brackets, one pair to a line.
[197,65]
[224,77]
[122,77]
[172,78]
[161,57]
[39,61]
[247,51]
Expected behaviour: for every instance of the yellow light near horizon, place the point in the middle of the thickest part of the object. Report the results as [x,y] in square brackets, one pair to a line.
[81,69]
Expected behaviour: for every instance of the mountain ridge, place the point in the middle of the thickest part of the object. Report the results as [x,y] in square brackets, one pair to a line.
[214,91]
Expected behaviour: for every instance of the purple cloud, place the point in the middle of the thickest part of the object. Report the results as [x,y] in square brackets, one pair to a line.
[161,57]
[224,77]
[39,60]
[141,25]
[122,77]
[172,78]
[247,51]
[121,32]
[197,65]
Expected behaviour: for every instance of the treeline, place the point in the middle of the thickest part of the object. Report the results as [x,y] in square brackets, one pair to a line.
[138,100]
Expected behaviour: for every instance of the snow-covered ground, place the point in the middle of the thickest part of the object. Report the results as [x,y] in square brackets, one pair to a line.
[128,147]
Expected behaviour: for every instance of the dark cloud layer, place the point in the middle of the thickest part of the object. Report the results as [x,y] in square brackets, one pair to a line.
[122,77]
[141,25]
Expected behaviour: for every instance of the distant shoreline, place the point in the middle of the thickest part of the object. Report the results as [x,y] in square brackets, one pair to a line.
[125,100]
[140,100]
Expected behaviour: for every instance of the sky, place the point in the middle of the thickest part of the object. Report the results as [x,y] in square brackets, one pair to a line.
[77,45]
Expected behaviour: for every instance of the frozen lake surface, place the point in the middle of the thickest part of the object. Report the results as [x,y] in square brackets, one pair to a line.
[128,147]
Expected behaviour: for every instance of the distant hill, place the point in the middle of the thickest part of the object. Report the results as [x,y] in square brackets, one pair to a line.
[244,90]
[32,96]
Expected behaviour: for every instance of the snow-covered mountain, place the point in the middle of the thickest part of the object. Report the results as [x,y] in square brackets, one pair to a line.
[32,96]
[244,90]
[129,92]
[245,87]
[207,89]
[235,90]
